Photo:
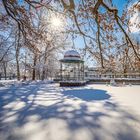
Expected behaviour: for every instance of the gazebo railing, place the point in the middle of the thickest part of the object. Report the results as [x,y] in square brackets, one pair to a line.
[74,78]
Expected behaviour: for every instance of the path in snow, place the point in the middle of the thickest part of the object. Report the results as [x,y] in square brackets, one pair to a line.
[39,111]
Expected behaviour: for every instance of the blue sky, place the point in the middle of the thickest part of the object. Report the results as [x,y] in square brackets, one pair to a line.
[120,4]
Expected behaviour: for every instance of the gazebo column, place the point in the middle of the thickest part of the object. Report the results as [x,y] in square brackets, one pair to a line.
[61,71]
[75,75]
[78,72]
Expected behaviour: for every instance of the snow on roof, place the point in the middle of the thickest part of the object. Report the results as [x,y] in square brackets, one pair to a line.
[72,55]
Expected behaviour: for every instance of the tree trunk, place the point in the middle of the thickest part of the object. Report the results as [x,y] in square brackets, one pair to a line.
[17,47]
[44,70]
[43,74]
[5,70]
[34,69]
[17,64]
[99,43]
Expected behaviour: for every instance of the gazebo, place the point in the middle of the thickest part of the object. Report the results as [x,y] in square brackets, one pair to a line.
[72,69]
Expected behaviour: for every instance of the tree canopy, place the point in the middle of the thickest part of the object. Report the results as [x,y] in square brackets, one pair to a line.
[45,26]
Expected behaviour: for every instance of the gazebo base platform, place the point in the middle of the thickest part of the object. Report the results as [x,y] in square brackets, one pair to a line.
[72,83]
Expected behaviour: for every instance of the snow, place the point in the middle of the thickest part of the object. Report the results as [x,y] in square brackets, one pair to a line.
[72,52]
[43,110]
[7,81]
[72,55]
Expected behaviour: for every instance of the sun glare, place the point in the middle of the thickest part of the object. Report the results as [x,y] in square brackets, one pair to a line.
[56,22]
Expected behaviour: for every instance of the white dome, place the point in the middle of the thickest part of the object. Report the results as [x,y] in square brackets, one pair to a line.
[72,55]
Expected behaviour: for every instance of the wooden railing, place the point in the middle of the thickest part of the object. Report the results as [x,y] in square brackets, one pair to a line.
[113,76]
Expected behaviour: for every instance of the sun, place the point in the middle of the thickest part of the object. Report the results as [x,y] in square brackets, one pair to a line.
[56,22]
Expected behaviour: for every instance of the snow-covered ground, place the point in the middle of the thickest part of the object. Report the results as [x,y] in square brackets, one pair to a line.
[42,111]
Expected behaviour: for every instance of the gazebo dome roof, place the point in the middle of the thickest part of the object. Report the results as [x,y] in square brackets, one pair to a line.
[72,55]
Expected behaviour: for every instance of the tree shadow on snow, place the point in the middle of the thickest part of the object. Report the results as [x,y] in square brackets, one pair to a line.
[87,94]
[54,112]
